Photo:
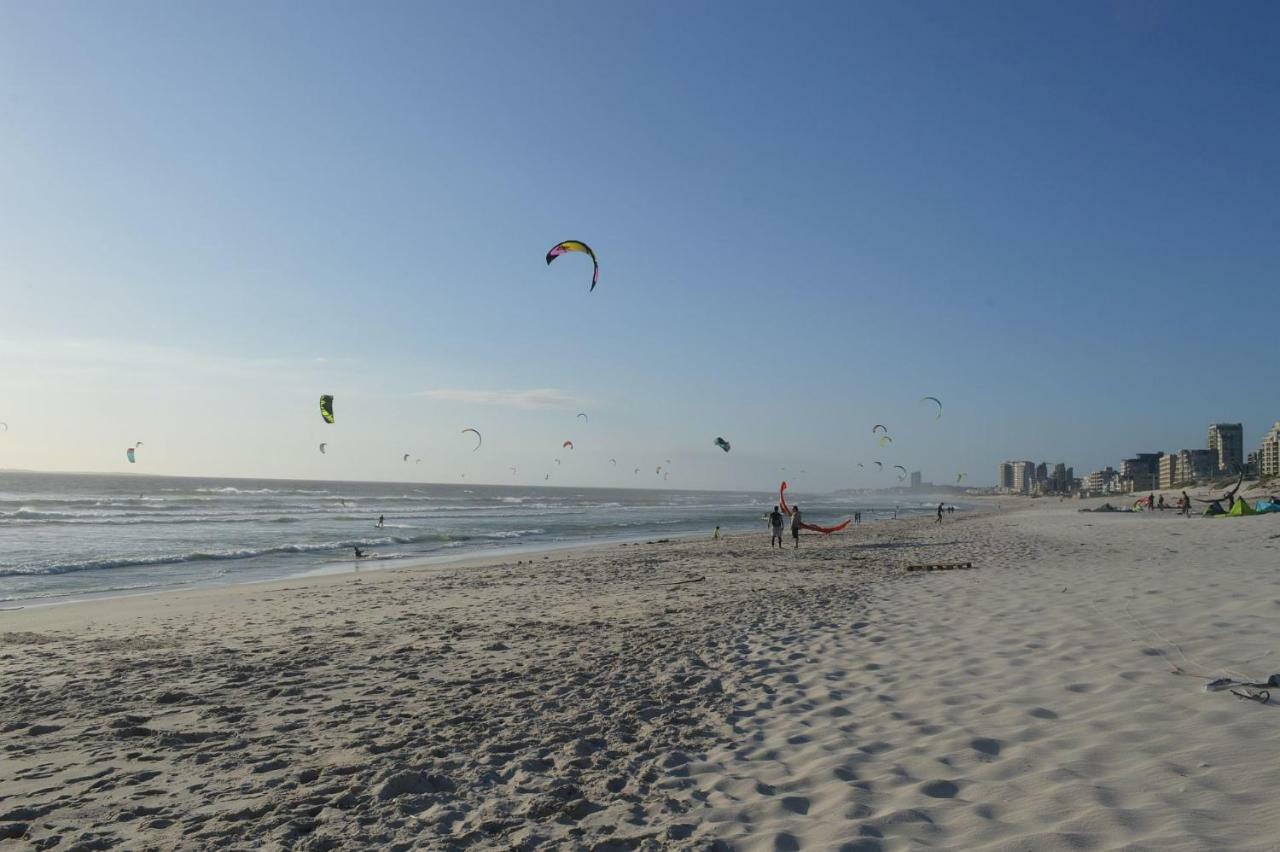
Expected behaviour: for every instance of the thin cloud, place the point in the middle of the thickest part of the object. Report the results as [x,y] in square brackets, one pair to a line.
[535,398]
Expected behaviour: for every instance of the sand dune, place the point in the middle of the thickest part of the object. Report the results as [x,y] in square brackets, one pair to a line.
[672,695]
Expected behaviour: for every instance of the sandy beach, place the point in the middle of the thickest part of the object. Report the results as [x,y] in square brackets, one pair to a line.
[678,694]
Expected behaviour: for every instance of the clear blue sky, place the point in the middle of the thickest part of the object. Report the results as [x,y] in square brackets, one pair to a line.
[1061,219]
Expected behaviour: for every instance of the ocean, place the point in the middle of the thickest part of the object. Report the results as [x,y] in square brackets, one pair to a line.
[72,536]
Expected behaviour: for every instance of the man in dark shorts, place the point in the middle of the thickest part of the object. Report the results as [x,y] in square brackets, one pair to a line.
[775,528]
[795,526]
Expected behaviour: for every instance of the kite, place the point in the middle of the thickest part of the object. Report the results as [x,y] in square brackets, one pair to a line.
[879,465]
[568,444]
[545,478]
[322,446]
[326,408]
[637,470]
[722,444]
[613,462]
[782,503]
[129,453]
[4,427]
[959,476]
[479,439]
[139,444]
[657,470]
[885,439]
[668,461]
[860,464]
[406,457]
[557,461]
[417,461]
[584,417]
[903,469]
[665,476]
[938,401]
[878,426]
[574,245]
[513,471]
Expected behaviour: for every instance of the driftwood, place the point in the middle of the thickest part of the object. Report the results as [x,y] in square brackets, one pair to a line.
[685,582]
[945,566]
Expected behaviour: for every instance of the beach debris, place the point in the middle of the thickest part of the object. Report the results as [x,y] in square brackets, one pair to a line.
[576,245]
[722,444]
[326,407]
[935,400]
[479,438]
[942,566]
[685,582]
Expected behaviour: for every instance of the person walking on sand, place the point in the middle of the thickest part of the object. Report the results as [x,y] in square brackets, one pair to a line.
[795,526]
[1184,505]
[939,513]
[717,534]
[775,525]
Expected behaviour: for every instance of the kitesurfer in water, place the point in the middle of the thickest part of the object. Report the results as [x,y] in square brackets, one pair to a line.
[359,553]
[795,526]
[775,526]
[381,518]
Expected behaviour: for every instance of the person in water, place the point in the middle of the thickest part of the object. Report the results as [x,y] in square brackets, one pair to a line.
[795,526]
[381,518]
[359,553]
[775,526]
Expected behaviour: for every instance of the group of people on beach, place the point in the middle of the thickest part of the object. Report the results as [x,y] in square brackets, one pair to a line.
[777,521]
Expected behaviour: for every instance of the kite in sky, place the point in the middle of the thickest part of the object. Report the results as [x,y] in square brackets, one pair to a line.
[322,446]
[934,399]
[574,245]
[479,439]
[568,444]
[878,426]
[326,408]
[722,444]
[130,455]
[406,457]
[885,439]
[879,465]
[584,417]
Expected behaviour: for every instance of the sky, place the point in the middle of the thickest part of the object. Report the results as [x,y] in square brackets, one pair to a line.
[1060,219]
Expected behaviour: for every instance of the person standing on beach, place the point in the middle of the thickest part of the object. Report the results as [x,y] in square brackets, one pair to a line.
[795,526]
[1185,505]
[939,513]
[775,525]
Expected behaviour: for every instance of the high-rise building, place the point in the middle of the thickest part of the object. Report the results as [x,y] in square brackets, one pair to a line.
[915,479]
[1042,473]
[1024,476]
[1269,453]
[1168,470]
[1196,465]
[1141,472]
[1227,440]
[1004,478]
[1059,481]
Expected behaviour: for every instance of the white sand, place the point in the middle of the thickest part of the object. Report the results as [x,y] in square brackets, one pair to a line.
[825,699]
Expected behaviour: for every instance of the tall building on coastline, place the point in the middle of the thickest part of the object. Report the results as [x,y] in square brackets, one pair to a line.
[1227,441]
[1004,478]
[1269,453]
[915,480]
